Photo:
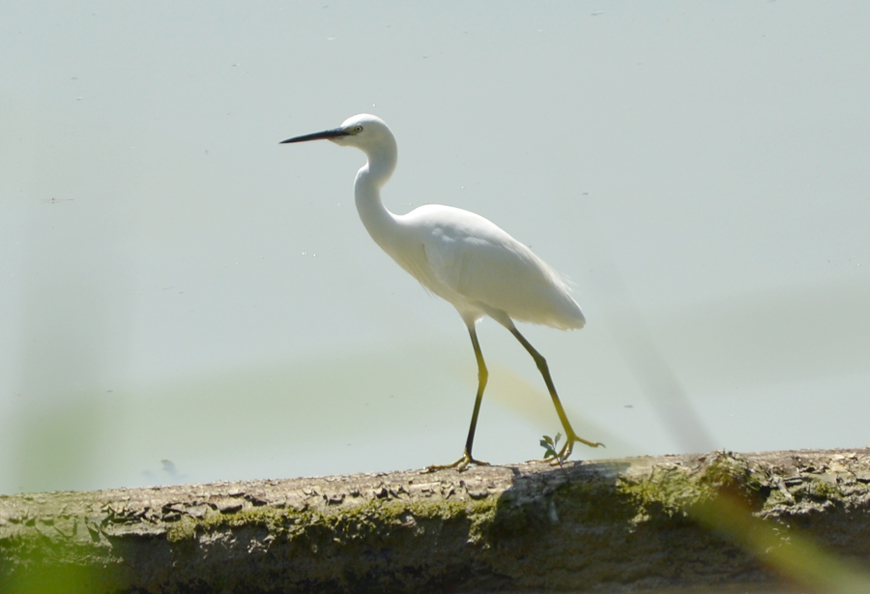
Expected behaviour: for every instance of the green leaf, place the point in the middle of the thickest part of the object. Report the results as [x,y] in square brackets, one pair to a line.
[549,446]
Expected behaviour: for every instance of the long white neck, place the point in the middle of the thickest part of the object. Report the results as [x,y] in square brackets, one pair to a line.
[379,222]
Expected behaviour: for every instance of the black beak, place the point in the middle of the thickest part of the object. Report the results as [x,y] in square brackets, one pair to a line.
[335,133]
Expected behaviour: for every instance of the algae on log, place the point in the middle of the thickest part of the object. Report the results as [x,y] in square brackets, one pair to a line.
[617,525]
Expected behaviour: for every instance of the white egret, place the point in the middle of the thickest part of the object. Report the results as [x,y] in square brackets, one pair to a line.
[461,257]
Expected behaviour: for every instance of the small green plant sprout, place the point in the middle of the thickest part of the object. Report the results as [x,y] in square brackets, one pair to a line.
[549,444]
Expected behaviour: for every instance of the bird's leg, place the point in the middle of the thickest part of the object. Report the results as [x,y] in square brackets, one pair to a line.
[570,436]
[482,376]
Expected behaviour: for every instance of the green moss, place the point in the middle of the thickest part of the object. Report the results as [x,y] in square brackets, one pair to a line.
[666,491]
[673,490]
[345,524]
[820,489]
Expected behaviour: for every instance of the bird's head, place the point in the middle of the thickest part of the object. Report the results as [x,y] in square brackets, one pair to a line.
[364,131]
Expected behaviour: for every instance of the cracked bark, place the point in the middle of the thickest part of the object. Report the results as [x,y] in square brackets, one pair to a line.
[617,525]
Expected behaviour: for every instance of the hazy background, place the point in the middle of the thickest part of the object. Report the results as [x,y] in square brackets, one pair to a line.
[182,299]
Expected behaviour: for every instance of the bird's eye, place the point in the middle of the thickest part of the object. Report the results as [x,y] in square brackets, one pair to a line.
[357,129]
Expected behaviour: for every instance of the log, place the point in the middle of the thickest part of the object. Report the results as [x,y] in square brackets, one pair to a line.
[605,526]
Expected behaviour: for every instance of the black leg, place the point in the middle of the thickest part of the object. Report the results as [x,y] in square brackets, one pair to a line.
[545,371]
[482,376]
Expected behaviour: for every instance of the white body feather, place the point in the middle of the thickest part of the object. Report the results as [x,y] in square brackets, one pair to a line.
[481,269]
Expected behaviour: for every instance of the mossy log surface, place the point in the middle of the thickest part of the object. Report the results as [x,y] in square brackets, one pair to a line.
[617,525]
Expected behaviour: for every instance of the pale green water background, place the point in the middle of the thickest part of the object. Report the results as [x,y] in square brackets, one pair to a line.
[182,299]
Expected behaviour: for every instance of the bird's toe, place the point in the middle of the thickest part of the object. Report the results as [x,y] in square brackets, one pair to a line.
[464,462]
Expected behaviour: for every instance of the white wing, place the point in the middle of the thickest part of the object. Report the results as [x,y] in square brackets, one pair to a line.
[481,269]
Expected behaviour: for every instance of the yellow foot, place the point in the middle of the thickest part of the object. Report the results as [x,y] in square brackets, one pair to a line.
[566,450]
[460,464]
